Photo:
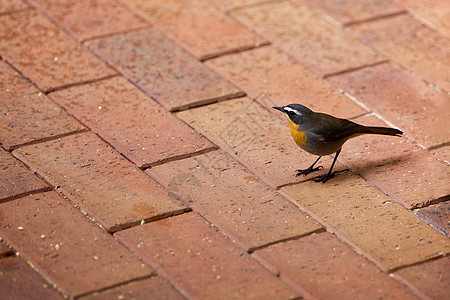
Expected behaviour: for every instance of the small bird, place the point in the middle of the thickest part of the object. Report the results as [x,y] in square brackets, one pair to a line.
[321,134]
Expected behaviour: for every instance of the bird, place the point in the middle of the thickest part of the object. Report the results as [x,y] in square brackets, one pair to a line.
[322,134]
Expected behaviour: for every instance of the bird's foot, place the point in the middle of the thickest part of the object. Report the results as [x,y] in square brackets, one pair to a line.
[324,178]
[308,170]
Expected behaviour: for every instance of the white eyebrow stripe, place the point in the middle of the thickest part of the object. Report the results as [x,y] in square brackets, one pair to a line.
[293,110]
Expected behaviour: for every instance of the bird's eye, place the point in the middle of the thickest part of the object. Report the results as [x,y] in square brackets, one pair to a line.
[291,114]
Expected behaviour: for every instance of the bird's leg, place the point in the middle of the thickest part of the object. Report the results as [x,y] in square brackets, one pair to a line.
[324,178]
[309,169]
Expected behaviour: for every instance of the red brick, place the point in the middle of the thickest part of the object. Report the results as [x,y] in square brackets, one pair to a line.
[273,78]
[256,138]
[100,181]
[431,278]
[201,262]
[348,11]
[369,220]
[16,179]
[321,267]
[19,281]
[151,288]
[434,13]
[197,25]
[442,154]
[308,36]
[88,19]
[65,246]
[178,82]
[5,250]
[45,54]
[132,123]
[412,44]
[438,216]
[233,199]
[29,116]
[7,6]
[402,99]
[398,167]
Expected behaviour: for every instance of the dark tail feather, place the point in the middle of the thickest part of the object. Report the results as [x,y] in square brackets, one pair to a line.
[383,130]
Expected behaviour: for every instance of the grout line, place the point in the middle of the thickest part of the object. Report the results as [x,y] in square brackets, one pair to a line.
[28,193]
[141,278]
[375,18]
[112,34]
[73,84]
[234,50]
[427,260]
[349,70]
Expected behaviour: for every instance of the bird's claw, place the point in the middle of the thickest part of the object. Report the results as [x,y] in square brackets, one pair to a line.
[307,171]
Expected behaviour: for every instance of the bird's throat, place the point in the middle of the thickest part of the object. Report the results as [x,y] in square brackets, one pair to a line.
[298,135]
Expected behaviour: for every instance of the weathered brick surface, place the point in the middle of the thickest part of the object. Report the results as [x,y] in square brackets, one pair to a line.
[431,278]
[5,249]
[88,19]
[7,6]
[150,288]
[324,47]
[63,245]
[438,216]
[131,122]
[197,25]
[273,78]
[402,99]
[19,281]
[319,260]
[179,81]
[349,11]
[54,59]
[434,13]
[234,200]
[397,166]
[412,44]
[256,137]
[28,116]
[100,181]
[16,179]
[201,262]
[372,222]
[442,154]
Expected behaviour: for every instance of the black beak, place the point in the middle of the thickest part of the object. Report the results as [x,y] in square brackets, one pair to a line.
[279,108]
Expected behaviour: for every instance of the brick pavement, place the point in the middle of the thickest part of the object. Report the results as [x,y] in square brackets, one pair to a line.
[141,158]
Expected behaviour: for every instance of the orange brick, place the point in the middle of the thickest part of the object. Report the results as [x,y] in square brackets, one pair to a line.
[321,267]
[151,288]
[403,100]
[201,262]
[179,82]
[197,25]
[274,79]
[100,181]
[370,221]
[434,13]
[132,123]
[65,246]
[442,154]
[308,36]
[438,216]
[412,44]
[349,11]
[231,4]
[19,281]
[16,179]
[29,116]
[231,198]
[88,19]
[8,6]
[398,167]
[431,278]
[45,54]
[256,137]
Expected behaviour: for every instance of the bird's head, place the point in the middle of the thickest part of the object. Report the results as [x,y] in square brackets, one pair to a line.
[296,113]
